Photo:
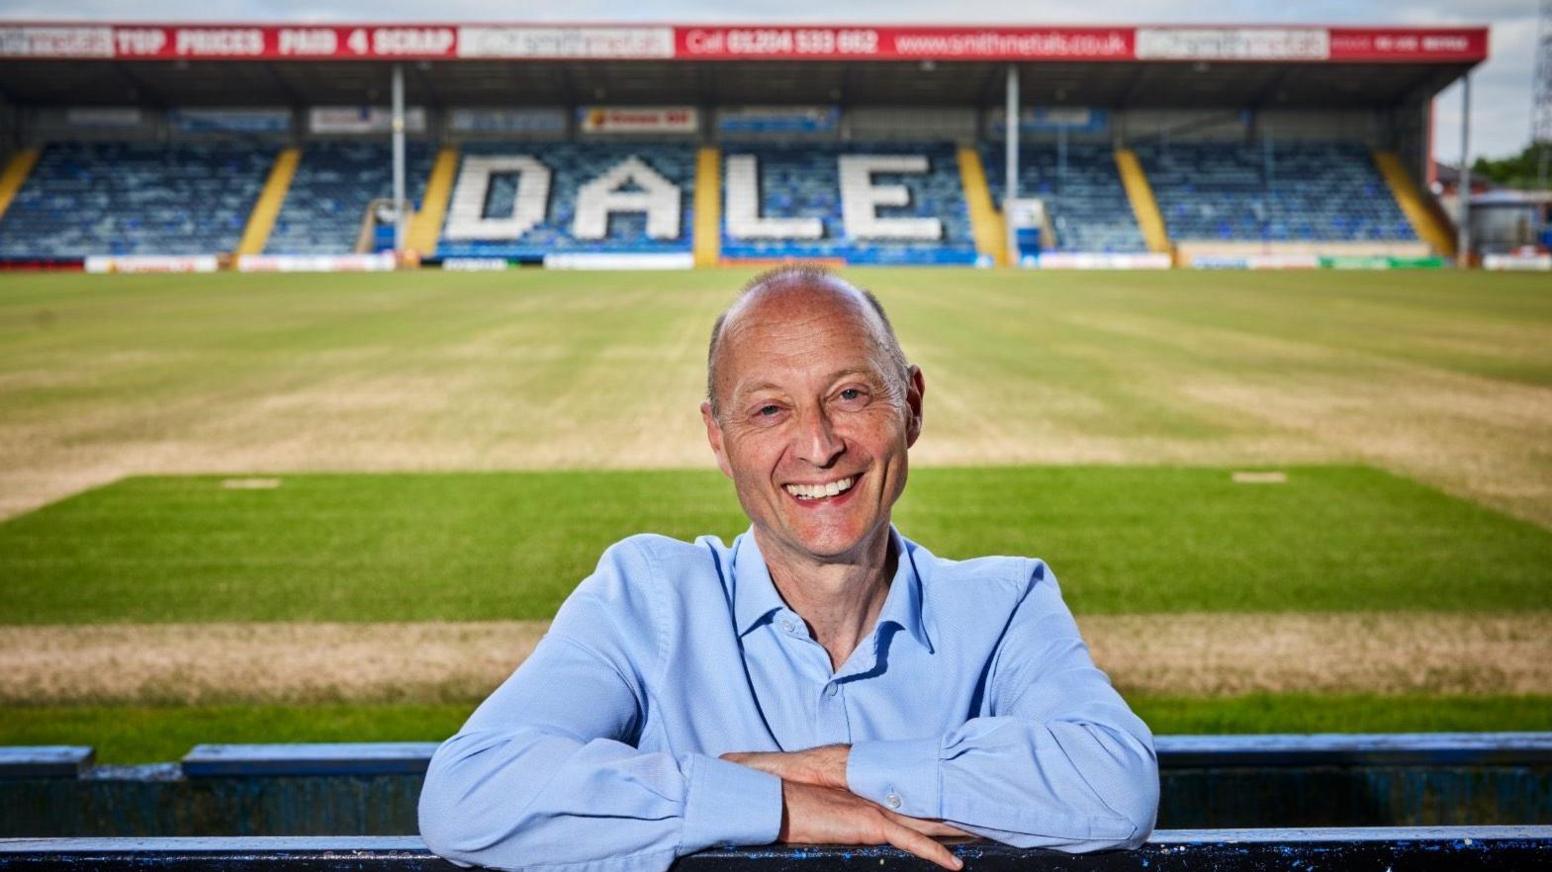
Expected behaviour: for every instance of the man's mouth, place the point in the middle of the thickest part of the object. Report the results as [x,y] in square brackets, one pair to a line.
[823,491]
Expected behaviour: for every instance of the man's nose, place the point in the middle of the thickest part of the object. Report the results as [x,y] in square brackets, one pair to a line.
[817,442]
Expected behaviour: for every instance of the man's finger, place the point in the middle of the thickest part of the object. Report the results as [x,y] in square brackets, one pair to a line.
[929,827]
[909,840]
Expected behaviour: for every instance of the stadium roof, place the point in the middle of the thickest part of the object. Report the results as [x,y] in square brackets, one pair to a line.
[467,64]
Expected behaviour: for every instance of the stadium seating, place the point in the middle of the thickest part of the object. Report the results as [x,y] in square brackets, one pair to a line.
[1081,190]
[334,183]
[861,202]
[1290,192]
[526,200]
[122,198]
[894,202]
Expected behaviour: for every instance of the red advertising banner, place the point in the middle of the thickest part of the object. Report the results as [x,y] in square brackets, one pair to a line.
[904,43]
[1289,43]
[1358,44]
[227,42]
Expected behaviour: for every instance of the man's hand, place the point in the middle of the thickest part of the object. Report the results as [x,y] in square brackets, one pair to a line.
[813,815]
[824,766]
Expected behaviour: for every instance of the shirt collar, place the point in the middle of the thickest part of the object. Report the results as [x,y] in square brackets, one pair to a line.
[755,596]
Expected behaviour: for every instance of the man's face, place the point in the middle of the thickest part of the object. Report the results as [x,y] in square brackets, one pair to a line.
[813,425]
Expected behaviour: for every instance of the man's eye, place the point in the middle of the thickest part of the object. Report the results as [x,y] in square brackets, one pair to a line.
[767,411]
[852,396]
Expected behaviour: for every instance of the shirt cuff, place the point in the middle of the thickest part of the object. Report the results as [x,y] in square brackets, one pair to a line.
[903,776]
[729,804]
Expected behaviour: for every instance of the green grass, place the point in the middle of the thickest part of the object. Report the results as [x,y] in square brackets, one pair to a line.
[147,734]
[143,734]
[1420,373]
[512,545]
[1169,379]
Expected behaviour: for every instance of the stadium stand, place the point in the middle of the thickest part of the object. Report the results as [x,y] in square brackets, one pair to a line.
[1082,191]
[333,186]
[134,198]
[524,201]
[1287,192]
[876,203]
[779,158]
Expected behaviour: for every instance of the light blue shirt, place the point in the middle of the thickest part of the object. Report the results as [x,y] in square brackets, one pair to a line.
[974,700]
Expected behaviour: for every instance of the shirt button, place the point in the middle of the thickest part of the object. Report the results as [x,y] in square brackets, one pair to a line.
[831,690]
[787,625]
[892,800]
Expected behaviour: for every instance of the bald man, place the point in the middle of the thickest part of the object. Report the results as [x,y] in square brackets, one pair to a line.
[819,680]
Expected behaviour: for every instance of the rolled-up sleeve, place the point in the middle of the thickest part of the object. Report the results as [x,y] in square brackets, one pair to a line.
[1060,761]
[546,774]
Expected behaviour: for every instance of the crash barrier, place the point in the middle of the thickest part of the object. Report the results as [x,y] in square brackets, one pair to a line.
[1401,848]
[1425,779]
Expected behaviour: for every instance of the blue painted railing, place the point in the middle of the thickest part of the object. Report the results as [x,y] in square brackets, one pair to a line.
[1429,779]
[1419,849]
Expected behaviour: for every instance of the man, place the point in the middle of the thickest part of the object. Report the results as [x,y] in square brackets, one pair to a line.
[820,680]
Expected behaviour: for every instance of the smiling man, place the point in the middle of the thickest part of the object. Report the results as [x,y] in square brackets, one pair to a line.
[821,679]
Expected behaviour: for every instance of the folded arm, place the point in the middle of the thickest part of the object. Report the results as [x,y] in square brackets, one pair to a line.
[546,774]
[1059,762]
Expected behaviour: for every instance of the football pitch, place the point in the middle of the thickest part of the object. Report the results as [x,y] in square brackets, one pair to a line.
[336,507]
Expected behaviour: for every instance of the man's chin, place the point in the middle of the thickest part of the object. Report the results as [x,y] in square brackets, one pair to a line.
[831,544]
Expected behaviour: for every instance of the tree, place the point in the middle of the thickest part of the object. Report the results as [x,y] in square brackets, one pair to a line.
[1516,171]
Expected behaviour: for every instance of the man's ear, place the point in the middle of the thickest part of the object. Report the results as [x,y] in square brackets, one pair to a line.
[915,389]
[714,438]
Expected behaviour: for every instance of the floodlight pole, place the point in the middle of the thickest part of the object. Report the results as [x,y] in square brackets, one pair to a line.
[1011,165]
[1463,184]
[398,158]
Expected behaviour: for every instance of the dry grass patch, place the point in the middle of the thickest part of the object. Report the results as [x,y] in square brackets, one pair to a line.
[1190,655]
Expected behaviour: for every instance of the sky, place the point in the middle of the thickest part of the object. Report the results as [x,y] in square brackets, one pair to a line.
[1500,89]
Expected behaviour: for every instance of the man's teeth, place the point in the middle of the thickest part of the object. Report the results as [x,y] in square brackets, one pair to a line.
[817,491]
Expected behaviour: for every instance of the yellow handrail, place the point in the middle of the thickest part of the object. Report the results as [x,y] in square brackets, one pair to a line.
[1426,221]
[986,223]
[1144,206]
[426,226]
[708,206]
[17,169]
[261,221]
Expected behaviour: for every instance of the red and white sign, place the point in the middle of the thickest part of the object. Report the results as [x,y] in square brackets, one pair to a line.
[566,43]
[731,43]
[638,119]
[1233,44]
[151,263]
[380,262]
[55,41]
[1403,44]
[904,43]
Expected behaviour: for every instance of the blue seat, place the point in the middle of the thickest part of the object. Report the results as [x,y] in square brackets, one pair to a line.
[1290,192]
[1082,192]
[334,183]
[136,198]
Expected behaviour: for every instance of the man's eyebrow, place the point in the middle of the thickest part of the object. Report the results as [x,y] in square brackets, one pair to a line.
[852,370]
[744,390]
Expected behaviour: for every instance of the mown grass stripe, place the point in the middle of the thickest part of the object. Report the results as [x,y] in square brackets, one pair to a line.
[505,546]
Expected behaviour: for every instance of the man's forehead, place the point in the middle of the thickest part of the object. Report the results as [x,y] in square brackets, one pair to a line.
[801,304]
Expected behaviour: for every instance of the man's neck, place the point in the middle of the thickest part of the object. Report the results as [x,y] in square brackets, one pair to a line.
[840,601]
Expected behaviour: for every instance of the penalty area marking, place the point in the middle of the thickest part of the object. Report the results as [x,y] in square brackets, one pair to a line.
[250,483]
